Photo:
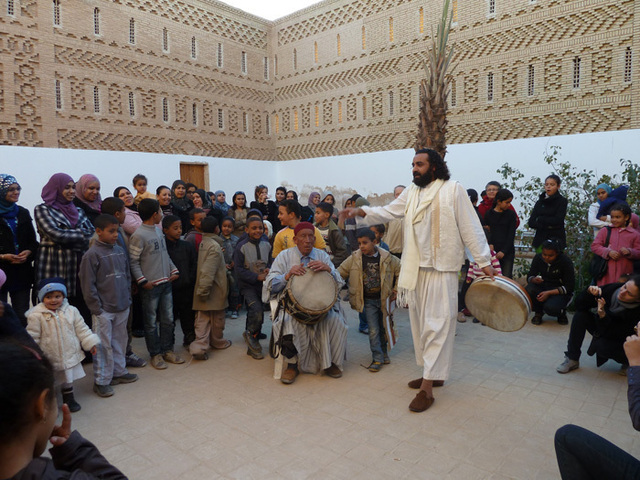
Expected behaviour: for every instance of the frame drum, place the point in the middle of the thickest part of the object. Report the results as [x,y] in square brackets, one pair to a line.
[501,304]
[310,296]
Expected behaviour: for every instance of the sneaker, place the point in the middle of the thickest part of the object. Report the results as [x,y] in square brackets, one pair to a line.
[251,341]
[386,360]
[262,336]
[537,320]
[134,361]
[255,354]
[171,357]
[103,390]
[375,367]
[234,315]
[567,365]
[466,312]
[461,317]
[563,320]
[475,320]
[157,362]
[126,378]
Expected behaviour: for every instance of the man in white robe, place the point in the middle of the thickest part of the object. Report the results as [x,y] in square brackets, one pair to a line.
[439,222]
[309,348]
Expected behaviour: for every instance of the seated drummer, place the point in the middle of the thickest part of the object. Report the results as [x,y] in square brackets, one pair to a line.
[310,348]
[551,281]
[617,308]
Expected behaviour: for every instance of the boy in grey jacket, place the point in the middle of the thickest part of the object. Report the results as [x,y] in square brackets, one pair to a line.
[154,272]
[105,280]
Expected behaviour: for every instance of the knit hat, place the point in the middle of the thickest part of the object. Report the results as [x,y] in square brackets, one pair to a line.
[53,284]
[304,226]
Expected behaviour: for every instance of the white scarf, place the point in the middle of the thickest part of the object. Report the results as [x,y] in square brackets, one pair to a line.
[414,213]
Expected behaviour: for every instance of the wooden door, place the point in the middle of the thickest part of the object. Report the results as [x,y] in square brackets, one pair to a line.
[195,173]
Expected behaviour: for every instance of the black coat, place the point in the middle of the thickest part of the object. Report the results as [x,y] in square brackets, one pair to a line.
[20,276]
[547,218]
[184,257]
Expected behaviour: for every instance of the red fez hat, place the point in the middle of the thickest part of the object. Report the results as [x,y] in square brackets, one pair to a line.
[303,226]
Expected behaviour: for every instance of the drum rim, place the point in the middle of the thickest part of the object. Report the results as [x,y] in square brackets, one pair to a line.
[305,310]
[521,291]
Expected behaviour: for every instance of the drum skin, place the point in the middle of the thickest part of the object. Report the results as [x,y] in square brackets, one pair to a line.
[312,294]
[501,304]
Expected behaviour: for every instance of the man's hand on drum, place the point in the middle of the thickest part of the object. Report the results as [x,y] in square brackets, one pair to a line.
[295,270]
[632,348]
[489,271]
[318,266]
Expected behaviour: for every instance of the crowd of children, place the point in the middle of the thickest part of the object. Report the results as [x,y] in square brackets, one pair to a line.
[109,268]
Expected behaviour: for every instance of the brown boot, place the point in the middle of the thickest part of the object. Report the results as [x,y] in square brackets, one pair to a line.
[333,371]
[417,383]
[421,402]
[290,374]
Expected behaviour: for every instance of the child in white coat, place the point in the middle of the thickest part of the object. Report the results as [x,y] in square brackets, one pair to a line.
[60,331]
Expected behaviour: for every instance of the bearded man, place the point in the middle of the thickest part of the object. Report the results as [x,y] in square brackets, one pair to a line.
[439,222]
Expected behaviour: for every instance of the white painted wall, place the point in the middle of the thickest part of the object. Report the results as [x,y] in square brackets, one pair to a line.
[372,173]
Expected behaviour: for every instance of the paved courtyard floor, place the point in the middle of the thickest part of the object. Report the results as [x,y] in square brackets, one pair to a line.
[228,418]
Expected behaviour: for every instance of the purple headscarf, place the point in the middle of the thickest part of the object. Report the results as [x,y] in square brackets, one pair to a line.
[81,186]
[310,203]
[52,196]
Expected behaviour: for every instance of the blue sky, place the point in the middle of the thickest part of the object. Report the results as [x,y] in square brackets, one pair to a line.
[270,10]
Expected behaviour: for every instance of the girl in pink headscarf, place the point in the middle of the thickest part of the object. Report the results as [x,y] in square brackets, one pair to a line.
[88,196]
[64,232]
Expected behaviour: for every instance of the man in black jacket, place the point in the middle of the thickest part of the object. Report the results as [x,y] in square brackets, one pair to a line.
[618,311]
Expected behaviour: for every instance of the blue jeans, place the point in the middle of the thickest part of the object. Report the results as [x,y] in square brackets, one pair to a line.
[255,311]
[377,339]
[582,455]
[157,309]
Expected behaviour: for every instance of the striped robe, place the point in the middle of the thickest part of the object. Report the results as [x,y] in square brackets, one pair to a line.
[318,345]
[61,246]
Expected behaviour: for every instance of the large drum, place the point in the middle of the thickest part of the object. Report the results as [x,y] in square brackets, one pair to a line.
[501,304]
[309,297]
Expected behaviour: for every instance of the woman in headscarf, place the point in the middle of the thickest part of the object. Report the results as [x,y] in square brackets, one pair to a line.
[180,203]
[132,220]
[202,200]
[18,247]
[221,202]
[327,197]
[65,232]
[88,196]
[309,211]
[602,192]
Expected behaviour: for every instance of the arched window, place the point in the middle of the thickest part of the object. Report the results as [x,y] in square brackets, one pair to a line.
[339,112]
[58,92]
[364,108]
[165,39]
[315,52]
[243,63]
[295,59]
[364,38]
[421,20]
[132,31]
[56,13]
[277,124]
[11,8]
[295,120]
[391,106]
[165,109]
[391,29]
[132,105]
[220,55]
[628,57]
[338,45]
[194,50]
[96,100]
[317,116]
[96,21]
[194,114]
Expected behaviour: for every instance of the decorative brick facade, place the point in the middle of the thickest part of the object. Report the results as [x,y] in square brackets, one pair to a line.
[197,77]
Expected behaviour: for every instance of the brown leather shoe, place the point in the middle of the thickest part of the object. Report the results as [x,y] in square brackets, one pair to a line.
[289,375]
[333,371]
[417,383]
[421,402]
